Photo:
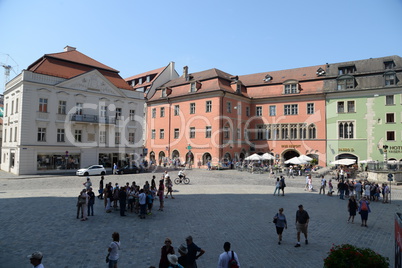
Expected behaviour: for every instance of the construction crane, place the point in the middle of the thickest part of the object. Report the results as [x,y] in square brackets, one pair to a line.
[7,67]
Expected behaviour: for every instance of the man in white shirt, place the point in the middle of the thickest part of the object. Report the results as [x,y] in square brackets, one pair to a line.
[142,198]
[323,185]
[36,259]
[181,174]
[227,257]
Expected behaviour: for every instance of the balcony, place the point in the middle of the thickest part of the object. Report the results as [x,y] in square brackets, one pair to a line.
[89,118]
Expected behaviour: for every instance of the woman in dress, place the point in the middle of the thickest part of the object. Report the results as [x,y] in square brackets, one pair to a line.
[352,208]
[280,224]
[364,210]
[165,250]
[113,250]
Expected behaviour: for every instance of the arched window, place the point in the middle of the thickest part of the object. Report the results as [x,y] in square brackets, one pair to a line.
[346,130]
[312,132]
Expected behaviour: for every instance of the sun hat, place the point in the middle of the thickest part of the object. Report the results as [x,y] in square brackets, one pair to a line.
[173,259]
[183,249]
[36,255]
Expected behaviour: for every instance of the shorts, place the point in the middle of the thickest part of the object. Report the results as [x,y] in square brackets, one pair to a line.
[302,228]
[279,230]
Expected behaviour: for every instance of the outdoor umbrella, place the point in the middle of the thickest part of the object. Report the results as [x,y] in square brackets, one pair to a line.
[254,157]
[267,156]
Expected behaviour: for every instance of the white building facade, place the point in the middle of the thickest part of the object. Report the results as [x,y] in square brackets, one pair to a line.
[57,124]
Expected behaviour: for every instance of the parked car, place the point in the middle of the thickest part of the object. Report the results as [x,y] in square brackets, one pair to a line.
[128,170]
[91,170]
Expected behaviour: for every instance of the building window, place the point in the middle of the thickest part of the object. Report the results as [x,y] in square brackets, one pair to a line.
[310,108]
[293,132]
[208,106]
[346,130]
[118,113]
[131,138]
[238,133]
[192,132]
[11,134]
[346,83]
[78,135]
[226,134]
[389,65]
[102,137]
[272,110]
[312,132]
[341,107]
[346,70]
[258,111]
[291,109]
[247,111]
[193,87]
[291,89]
[208,132]
[42,105]
[285,131]
[351,106]
[132,115]
[192,108]
[5,135]
[389,100]
[390,135]
[16,106]
[153,134]
[78,108]
[390,117]
[62,107]
[229,107]
[161,134]
[117,137]
[176,110]
[148,79]
[162,111]
[260,133]
[103,111]
[238,108]
[41,134]
[390,79]
[15,134]
[163,92]
[176,133]
[60,135]
[153,112]
[12,107]
[302,131]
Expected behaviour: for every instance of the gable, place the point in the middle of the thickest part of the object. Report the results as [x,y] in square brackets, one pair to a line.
[92,81]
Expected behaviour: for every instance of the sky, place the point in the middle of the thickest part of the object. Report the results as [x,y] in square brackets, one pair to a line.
[237,37]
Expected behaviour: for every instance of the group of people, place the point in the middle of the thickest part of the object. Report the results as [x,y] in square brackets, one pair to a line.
[372,191]
[125,198]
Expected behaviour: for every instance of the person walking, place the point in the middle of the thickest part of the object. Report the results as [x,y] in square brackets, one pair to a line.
[323,185]
[192,250]
[352,208]
[364,210]
[36,259]
[114,168]
[331,188]
[280,224]
[282,185]
[227,256]
[101,187]
[88,183]
[277,186]
[386,193]
[302,220]
[91,201]
[113,250]
[122,200]
[169,186]
[165,250]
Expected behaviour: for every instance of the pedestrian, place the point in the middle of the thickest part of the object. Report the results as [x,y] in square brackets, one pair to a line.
[358,190]
[100,196]
[310,183]
[114,168]
[331,188]
[282,185]
[323,185]
[122,201]
[209,165]
[88,183]
[169,186]
[153,184]
[227,256]
[36,259]
[150,201]
[302,220]
[307,180]
[193,249]
[277,186]
[91,201]
[165,250]
[161,194]
[280,224]
[108,198]
[364,210]
[386,193]
[183,259]
[83,200]
[352,208]
[174,261]
[113,250]
[142,199]
[341,189]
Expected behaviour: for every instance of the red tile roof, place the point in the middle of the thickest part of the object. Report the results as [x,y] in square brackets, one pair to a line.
[72,63]
[155,72]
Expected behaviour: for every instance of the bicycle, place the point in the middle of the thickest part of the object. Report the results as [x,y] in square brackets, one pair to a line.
[184,180]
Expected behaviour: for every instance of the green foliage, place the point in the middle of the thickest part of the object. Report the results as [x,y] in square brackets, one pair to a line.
[346,256]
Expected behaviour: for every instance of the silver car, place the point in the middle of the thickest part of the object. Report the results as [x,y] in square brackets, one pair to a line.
[91,170]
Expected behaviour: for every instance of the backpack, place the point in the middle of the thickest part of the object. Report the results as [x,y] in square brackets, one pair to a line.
[363,206]
[232,262]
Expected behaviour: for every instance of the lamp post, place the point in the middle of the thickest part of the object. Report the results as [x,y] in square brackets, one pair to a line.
[385,147]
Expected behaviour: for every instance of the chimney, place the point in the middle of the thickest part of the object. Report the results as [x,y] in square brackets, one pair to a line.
[68,48]
[185,72]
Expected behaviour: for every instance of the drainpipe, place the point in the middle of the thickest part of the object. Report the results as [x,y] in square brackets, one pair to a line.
[221,128]
[170,105]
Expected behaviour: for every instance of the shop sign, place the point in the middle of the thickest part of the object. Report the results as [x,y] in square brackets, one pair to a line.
[290,146]
[346,150]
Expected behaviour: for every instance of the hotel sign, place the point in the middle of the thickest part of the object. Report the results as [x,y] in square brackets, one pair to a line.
[394,149]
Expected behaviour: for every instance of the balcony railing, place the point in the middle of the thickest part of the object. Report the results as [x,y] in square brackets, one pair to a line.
[88,118]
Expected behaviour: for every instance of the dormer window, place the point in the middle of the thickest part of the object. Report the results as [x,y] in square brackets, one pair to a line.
[164,93]
[133,83]
[389,65]
[267,78]
[140,81]
[390,78]
[238,87]
[346,82]
[148,78]
[320,72]
[193,87]
[347,70]
[291,88]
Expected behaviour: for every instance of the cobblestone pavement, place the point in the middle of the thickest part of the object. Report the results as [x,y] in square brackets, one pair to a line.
[39,213]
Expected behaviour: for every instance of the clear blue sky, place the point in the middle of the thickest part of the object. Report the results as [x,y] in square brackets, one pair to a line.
[238,37]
